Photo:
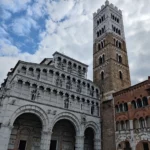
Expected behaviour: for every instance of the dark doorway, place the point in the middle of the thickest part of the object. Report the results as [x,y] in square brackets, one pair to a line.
[127,146]
[145,146]
[53,145]
[22,145]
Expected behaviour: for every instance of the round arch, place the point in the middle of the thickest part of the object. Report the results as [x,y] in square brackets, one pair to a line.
[124,145]
[94,126]
[68,116]
[143,143]
[33,110]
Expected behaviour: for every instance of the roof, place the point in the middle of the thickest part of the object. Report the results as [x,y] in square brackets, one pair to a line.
[132,87]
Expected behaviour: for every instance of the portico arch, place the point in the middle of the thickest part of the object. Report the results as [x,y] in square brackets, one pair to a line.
[33,110]
[143,145]
[63,135]
[94,126]
[92,135]
[68,116]
[26,132]
[124,145]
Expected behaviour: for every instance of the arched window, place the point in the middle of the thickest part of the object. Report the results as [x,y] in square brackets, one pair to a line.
[116,30]
[97,22]
[142,123]
[38,70]
[117,108]
[27,85]
[133,104]
[145,101]
[99,46]
[100,20]
[148,121]
[92,110]
[44,72]
[120,59]
[122,125]
[120,75]
[119,45]
[117,126]
[48,91]
[102,75]
[97,34]
[41,89]
[100,32]
[20,82]
[121,107]
[66,103]
[103,58]
[127,124]
[139,103]
[23,69]
[125,107]
[102,45]
[31,70]
[135,124]
[100,60]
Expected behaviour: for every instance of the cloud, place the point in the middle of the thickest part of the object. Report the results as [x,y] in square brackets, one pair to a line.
[22,26]
[14,5]
[68,28]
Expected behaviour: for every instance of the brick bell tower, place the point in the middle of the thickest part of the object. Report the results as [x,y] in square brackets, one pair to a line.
[110,65]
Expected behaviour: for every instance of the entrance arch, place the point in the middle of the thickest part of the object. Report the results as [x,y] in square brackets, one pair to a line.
[63,135]
[34,110]
[89,139]
[124,145]
[26,132]
[143,145]
[68,116]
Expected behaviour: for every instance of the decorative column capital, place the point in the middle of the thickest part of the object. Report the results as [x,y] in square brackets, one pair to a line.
[47,132]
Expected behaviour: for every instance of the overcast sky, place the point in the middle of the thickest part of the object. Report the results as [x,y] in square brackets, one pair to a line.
[31,30]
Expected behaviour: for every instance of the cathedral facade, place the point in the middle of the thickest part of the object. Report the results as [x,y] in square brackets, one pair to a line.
[49,106]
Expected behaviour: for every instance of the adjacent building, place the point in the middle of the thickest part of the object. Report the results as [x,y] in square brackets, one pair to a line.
[49,106]
[132,117]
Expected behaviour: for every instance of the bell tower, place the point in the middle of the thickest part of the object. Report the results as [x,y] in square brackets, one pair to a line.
[110,60]
[110,65]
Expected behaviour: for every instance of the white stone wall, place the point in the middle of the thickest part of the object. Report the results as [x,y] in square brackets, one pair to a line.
[48,101]
[133,136]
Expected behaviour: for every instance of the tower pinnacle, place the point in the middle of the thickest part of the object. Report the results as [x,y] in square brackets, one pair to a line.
[106,2]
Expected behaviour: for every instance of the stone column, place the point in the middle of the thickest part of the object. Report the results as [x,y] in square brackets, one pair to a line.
[97,144]
[5,132]
[45,140]
[132,141]
[79,145]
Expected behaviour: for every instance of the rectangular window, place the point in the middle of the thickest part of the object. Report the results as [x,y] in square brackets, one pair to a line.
[22,145]
[53,145]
